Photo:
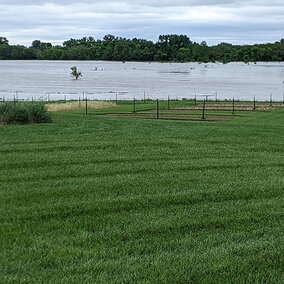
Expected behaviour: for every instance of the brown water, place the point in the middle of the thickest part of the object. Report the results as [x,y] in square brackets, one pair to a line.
[103,80]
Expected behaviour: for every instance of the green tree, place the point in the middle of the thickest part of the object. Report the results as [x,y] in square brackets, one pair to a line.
[75,73]
[5,51]
[37,44]
[169,47]
[4,40]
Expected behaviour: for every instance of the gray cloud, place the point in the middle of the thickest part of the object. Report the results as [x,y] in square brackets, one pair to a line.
[151,3]
[236,21]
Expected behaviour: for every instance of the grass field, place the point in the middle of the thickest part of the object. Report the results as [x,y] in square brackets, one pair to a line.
[99,199]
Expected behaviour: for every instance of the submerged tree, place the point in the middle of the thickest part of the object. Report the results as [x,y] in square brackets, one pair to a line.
[75,73]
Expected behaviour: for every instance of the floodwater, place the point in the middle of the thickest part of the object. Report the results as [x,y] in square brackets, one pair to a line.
[43,80]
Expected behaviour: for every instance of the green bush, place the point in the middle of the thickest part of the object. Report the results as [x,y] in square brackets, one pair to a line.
[13,114]
[39,114]
[23,113]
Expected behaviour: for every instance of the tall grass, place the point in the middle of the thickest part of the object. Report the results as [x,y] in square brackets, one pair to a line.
[38,114]
[11,113]
[79,105]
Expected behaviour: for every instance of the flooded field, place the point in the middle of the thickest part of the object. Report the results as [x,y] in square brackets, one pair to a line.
[51,80]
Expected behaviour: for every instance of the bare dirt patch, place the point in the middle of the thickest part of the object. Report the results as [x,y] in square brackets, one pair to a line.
[173,116]
[229,106]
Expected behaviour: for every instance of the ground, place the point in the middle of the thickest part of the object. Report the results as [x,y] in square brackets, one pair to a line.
[101,199]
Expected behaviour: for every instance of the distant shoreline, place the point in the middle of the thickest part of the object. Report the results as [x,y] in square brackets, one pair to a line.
[168,48]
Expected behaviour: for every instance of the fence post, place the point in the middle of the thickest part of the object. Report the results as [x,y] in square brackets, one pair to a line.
[216,97]
[233,105]
[134,105]
[270,100]
[86,106]
[254,105]
[203,111]
[169,107]
[157,108]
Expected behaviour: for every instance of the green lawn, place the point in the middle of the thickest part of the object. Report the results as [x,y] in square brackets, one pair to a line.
[98,199]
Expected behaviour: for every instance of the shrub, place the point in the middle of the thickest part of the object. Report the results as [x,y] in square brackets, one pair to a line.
[39,114]
[13,114]
[23,114]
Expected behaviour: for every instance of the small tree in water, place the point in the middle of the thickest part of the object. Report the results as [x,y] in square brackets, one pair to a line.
[75,73]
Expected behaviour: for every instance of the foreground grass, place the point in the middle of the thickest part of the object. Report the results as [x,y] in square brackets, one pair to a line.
[128,200]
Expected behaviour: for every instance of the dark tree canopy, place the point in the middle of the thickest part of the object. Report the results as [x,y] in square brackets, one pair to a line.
[3,40]
[170,47]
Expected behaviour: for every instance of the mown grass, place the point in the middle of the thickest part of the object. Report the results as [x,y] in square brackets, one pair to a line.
[222,107]
[121,200]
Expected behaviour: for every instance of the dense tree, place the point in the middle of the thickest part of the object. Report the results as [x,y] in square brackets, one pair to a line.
[168,48]
[3,40]
[5,51]
[41,45]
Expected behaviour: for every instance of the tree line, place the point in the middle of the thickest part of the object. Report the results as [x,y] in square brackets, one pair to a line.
[172,47]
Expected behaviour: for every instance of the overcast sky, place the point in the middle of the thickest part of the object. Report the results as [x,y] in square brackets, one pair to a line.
[235,21]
